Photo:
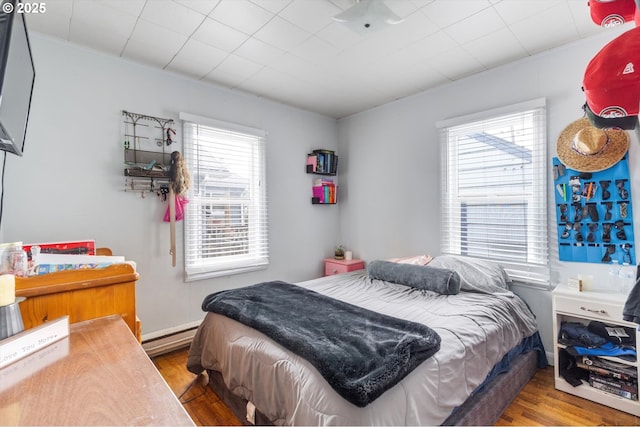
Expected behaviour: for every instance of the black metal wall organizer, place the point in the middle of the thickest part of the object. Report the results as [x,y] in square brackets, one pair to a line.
[147,157]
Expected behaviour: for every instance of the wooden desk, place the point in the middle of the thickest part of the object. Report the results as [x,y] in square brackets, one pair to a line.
[99,375]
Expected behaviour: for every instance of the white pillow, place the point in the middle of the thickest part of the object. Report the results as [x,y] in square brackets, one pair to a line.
[476,275]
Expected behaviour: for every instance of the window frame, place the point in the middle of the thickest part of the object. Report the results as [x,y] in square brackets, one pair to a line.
[197,266]
[534,270]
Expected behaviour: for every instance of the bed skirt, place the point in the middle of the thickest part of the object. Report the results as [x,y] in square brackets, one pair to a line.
[481,409]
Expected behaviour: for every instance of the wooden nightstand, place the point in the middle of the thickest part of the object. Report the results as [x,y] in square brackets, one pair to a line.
[336,266]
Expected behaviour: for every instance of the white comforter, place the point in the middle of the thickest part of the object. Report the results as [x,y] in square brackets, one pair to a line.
[476,330]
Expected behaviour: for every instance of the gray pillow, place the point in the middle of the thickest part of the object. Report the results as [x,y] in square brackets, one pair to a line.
[476,275]
[440,280]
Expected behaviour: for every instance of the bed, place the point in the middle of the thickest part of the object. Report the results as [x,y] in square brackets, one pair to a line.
[488,348]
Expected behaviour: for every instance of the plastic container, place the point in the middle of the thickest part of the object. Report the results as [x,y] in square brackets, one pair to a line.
[627,278]
[14,261]
[614,276]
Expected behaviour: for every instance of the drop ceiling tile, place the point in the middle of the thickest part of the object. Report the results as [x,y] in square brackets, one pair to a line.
[426,49]
[456,63]
[339,36]
[421,3]
[196,59]
[497,48]
[394,79]
[153,44]
[513,11]
[240,67]
[242,15]
[267,81]
[130,7]
[316,50]
[403,8]
[101,39]
[362,99]
[259,52]
[358,56]
[321,77]
[219,35]
[312,16]
[172,15]
[223,78]
[477,25]
[556,30]
[141,52]
[415,27]
[343,4]
[55,22]
[282,34]
[443,14]
[157,37]
[204,7]
[296,66]
[102,18]
[273,6]
[425,76]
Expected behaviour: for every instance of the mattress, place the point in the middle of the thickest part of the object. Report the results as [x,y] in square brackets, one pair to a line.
[477,330]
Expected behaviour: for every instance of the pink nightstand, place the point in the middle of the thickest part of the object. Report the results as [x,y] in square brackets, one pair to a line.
[336,266]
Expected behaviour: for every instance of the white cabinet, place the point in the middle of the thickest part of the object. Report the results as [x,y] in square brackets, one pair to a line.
[569,305]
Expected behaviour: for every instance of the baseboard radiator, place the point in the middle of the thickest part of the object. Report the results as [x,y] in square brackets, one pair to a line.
[169,340]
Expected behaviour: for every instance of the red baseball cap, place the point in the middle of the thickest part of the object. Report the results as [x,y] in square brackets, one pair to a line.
[612,79]
[608,13]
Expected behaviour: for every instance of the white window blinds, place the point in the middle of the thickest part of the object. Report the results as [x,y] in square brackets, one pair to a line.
[494,189]
[226,218]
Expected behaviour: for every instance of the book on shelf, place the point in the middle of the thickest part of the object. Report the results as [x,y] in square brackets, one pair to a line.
[606,372]
[326,161]
[312,163]
[52,263]
[609,365]
[629,386]
[318,182]
[320,163]
[75,247]
[613,390]
[325,193]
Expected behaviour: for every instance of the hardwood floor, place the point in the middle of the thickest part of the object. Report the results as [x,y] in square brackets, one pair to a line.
[538,404]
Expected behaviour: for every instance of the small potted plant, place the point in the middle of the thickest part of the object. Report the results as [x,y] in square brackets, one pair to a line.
[339,252]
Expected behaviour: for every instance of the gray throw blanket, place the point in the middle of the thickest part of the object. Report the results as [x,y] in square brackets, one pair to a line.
[361,353]
[631,310]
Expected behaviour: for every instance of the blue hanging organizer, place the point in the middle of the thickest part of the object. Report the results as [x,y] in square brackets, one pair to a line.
[594,216]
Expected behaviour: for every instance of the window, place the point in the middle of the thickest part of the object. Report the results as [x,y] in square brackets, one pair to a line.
[226,218]
[494,189]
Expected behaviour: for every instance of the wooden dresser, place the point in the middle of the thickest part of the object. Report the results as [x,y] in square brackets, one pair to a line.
[98,375]
[80,294]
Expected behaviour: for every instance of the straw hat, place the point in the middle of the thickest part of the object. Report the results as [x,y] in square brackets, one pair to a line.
[585,148]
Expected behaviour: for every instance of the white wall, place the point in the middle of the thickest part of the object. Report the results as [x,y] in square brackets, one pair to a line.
[69,184]
[392,180]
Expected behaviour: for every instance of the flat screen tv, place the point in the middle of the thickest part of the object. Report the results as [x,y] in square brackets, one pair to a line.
[17,77]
